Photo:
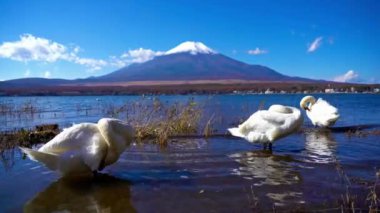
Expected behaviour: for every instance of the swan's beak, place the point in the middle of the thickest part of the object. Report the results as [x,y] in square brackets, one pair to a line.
[306,108]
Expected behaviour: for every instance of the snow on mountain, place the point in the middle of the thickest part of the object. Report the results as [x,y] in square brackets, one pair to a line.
[192,47]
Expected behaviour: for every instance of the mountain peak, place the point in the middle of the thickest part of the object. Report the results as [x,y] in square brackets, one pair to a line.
[191,47]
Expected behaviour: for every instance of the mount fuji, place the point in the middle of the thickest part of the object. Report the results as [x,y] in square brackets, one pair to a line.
[194,61]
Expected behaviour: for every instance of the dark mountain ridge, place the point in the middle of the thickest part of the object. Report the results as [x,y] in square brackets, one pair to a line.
[185,66]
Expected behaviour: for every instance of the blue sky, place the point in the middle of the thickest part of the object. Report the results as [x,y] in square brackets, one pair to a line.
[319,39]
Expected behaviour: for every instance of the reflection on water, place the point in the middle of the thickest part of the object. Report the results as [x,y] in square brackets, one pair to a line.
[281,198]
[7,158]
[320,146]
[102,194]
[273,175]
[269,168]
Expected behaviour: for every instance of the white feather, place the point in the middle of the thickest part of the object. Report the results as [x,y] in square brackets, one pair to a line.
[321,113]
[269,125]
[83,148]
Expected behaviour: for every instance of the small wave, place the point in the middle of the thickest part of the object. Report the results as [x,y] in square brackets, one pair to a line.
[354,127]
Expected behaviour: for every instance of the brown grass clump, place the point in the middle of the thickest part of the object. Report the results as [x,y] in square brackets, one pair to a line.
[23,137]
[163,121]
[372,197]
[209,130]
[348,200]
[26,138]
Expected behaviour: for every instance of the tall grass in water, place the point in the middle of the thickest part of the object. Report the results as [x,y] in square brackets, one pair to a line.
[157,120]
[15,110]
[351,202]
[161,121]
[372,197]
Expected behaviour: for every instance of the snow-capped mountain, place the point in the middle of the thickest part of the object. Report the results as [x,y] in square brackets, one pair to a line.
[191,47]
[193,61]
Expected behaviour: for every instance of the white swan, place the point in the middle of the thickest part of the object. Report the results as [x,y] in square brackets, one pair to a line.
[84,148]
[320,112]
[266,126]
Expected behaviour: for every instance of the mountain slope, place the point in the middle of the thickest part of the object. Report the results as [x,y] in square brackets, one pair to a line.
[185,66]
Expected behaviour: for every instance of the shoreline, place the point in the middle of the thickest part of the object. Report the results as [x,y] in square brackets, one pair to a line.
[195,88]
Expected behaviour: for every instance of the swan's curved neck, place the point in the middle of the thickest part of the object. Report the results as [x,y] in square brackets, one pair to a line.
[114,141]
[307,102]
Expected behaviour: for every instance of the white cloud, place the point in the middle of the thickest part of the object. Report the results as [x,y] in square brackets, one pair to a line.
[27,73]
[347,77]
[140,55]
[315,44]
[115,61]
[91,64]
[47,74]
[257,51]
[31,48]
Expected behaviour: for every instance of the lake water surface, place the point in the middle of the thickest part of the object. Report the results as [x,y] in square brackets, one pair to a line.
[309,170]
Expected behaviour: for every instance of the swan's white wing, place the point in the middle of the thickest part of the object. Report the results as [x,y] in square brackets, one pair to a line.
[72,138]
[265,126]
[252,129]
[82,140]
[322,113]
[282,124]
[269,125]
[323,107]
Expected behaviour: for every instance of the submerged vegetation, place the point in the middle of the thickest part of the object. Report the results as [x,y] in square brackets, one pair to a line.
[351,202]
[22,137]
[26,138]
[17,110]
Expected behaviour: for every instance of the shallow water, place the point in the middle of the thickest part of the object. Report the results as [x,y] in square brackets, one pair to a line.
[214,175]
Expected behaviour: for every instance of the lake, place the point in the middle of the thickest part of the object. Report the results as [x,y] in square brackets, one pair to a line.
[308,170]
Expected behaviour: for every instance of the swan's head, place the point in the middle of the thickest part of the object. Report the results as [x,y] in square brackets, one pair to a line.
[113,127]
[307,102]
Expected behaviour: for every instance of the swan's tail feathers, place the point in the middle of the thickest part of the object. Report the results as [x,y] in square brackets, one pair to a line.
[236,132]
[49,160]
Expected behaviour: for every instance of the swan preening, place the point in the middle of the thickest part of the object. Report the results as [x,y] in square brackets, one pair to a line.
[320,112]
[266,126]
[84,148]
